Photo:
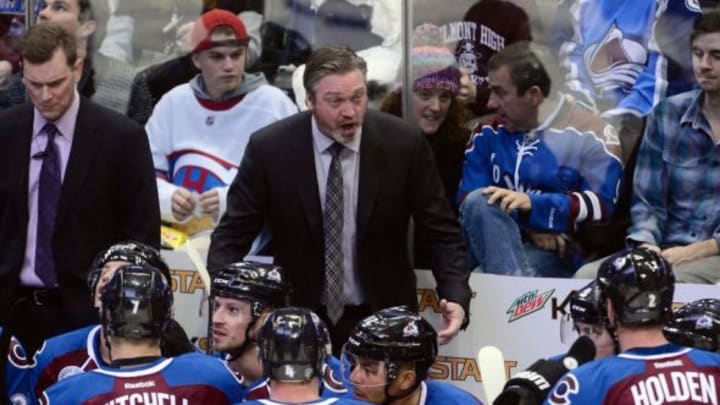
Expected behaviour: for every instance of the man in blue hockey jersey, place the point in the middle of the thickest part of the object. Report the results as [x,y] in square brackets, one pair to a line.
[294,343]
[243,295]
[638,286]
[527,185]
[136,309]
[387,357]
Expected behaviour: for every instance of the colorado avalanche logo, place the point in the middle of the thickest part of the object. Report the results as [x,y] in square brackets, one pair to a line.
[274,275]
[704,322]
[331,381]
[566,387]
[616,61]
[411,329]
[17,356]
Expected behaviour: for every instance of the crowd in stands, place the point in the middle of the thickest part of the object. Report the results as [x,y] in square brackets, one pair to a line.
[518,139]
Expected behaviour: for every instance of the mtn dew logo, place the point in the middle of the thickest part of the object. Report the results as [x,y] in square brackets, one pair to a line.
[528,303]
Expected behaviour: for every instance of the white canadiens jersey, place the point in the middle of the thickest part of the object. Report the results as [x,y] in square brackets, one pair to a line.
[200,148]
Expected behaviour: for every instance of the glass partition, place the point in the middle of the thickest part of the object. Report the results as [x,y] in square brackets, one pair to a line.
[431,70]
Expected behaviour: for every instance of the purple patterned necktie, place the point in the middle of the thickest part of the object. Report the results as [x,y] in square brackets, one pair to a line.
[333,227]
[48,196]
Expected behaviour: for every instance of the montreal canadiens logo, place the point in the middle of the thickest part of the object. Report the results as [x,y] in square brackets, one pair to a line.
[566,387]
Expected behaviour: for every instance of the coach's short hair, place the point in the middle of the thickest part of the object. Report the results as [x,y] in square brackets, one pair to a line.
[328,60]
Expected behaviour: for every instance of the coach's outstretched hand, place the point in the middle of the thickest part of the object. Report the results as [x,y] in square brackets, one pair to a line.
[453,315]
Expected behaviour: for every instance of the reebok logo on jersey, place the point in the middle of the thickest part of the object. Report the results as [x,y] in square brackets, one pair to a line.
[139,385]
[668,364]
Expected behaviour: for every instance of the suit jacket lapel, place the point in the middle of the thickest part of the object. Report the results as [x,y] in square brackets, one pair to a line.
[305,178]
[84,146]
[372,163]
[21,158]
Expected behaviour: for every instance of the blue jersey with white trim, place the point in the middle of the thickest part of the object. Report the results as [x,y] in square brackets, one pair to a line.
[626,56]
[65,355]
[570,175]
[441,393]
[192,378]
[667,374]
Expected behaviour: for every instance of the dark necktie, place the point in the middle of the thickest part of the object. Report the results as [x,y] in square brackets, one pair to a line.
[333,227]
[48,196]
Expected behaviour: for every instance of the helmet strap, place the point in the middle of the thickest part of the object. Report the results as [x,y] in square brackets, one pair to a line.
[391,378]
[613,334]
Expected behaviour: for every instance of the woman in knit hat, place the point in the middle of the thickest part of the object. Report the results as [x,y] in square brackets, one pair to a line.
[436,111]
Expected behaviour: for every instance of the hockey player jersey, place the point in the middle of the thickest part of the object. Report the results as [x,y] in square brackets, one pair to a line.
[321,401]
[198,147]
[667,374]
[442,393]
[571,170]
[626,56]
[63,356]
[189,379]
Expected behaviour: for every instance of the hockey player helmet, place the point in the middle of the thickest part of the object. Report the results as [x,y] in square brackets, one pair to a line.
[640,284]
[131,252]
[393,336]
[696,324]
[136,302]
[293,345]
[263,285]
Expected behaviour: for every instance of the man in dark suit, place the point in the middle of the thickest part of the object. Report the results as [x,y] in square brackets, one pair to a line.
[338,187]
[76,179]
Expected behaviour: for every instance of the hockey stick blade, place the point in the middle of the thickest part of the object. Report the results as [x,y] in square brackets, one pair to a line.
[492,371]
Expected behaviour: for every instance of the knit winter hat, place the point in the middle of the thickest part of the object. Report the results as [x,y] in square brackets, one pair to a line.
[208,22]
[433,65]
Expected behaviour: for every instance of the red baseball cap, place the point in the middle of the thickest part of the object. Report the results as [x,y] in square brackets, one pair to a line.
[208,22]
